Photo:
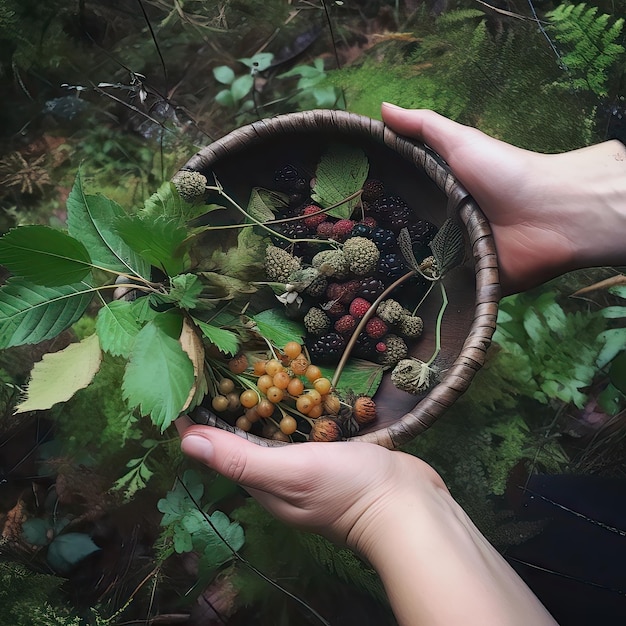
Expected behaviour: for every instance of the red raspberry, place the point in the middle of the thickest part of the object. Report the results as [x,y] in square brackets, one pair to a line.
[369,221]
[314,220]
[376,328]
[381,346]
[359,307]
[342,229]
[345,324]
[324,229]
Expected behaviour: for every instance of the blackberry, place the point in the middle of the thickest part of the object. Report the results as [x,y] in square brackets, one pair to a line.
[387,205]
[326,349]
[399,219]
[290,180]
[373,190]
[391,267]
[370,288]
[364,347]
[385,239]
[422,232]
[361,230]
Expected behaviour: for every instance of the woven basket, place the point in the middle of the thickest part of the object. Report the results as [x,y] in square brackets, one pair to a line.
[248,156]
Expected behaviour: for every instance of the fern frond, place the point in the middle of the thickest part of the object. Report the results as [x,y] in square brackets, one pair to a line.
[590,44]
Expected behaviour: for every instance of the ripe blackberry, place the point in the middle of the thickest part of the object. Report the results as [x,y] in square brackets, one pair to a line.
[326,349]
[361,230]
[334,309]
[387,205]
[391,267]
[294,230]
[386,240]
[399,219]
[422,232]
[342,292]
[364,347]
[373,190]
[289,179]
[370,288]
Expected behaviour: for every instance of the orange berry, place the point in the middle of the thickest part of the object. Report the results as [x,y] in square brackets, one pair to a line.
[292,349]
[274,394]
[264,382]
[226,385]
[322,385]
[219,403]
[295,387]
[265,408]
[316,396]
[249,398]
[304,404]
[252,415]
[259,367]
[288,425]
[316,411]
[273,366]
[299,364]
[238,364]
[313,373]
[281,379]
[243,423]
[233,400]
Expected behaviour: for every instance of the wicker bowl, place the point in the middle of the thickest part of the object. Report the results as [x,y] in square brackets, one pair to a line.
[248,157]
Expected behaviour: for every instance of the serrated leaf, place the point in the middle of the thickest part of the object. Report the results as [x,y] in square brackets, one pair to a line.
[159,374]
[224,286]
[185,290]
[31,313]
[216,537]
[224,340]
[341,172]
[448,245]
[44,256]
[158,240]
[191,343]
[167,203]
[117,326]
[358,376]
[68,549]
[243,261]
[406,248]
[89,220]
[264,203]
[275,327]
[59,375]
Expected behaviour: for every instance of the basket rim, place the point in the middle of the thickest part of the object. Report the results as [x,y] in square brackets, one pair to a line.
[459,375]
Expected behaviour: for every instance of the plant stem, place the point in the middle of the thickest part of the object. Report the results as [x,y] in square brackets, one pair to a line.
[444,304]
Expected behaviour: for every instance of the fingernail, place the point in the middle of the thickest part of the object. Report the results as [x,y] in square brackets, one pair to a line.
[197,448]
[391,106]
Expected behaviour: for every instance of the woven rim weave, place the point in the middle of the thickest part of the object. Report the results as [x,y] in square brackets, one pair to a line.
[458,376]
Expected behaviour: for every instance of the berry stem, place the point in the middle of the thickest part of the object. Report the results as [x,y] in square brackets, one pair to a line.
[361,325]
[444,304]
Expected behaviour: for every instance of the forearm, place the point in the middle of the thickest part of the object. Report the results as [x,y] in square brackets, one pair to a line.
[438,570]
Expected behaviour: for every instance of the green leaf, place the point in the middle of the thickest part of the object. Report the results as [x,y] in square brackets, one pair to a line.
[243,261]
[216,537]
[178,502]
[448,245]
[618,290]
[31,313]
[35,531]
[614,341]
[59,375]
[159,374]
[264,203]
[358,376]
[275,327]
[224,74]
[611,399]
[617,373]
[341,172]
[117,326]
[225,98]
[613,312]
[68,549]
[185,290]
[158,240]
[224,340]
[44,256]
[241,87]
[259,62]
[167,203]
[89,220]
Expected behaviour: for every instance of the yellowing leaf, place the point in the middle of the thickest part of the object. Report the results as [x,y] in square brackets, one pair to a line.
[59,375]
[192,344]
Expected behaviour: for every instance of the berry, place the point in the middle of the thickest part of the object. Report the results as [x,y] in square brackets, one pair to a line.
[238,364]
[191,186]
[265,408]
[364,410]
[376,328]
[334,309]
[315,216]
[381,346]
[299,365]
[364,347]
[292,349]
[411,326]
[399,219]
[359,307]
[369,221]
[279,264]
[422,232]
[345,324]
[322,386]
[281,379]
[373,190]
[331,263]
[243,423]
[325,429]
[316,411]
[370,288]
[288,425]
[385,239]
[391,267]
[342,229]
[273,366]
[219,403]
[361,230]
[294,230]
[362,255]
[289,179]
[391,311]
[396,351]
[249,398]
[326,349]
[317,287]
[264,382]
[295,387]
[324,230]
[304,404]
[386,206]
[313,373]
[274,394]
[226,385]
[331,404]
[316,321]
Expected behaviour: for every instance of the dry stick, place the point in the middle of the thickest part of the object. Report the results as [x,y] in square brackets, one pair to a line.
[361,325]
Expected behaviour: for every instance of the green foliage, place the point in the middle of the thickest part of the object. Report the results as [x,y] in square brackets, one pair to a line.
[591,45]
[558,349]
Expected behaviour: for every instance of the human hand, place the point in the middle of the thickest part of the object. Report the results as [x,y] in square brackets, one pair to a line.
[549,213]
[342,490]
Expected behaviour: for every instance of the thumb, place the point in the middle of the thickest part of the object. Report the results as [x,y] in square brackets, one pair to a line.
[439,132]
[232,456]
